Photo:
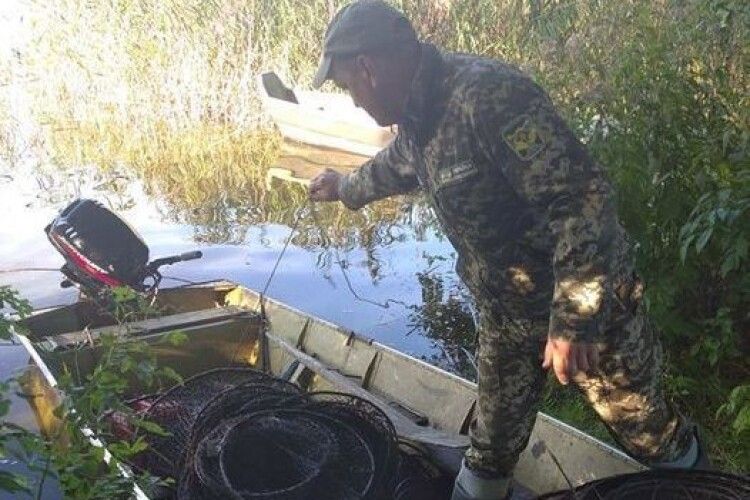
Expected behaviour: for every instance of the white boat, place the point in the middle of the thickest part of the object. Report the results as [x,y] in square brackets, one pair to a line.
[321,119]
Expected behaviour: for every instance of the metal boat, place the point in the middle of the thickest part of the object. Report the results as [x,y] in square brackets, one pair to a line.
[230,325]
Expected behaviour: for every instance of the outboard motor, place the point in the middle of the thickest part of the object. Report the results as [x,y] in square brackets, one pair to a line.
[101,251]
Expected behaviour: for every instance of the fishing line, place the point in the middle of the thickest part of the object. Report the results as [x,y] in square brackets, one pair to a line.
[261,296]
[339,261]
[293,230]
[327,243]
[295,225]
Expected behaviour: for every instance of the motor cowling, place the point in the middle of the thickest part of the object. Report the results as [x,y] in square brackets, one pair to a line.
[99,247]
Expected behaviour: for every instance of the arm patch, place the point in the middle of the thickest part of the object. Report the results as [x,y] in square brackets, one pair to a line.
[524,138]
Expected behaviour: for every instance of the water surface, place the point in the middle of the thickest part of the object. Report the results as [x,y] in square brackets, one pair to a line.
[386,273]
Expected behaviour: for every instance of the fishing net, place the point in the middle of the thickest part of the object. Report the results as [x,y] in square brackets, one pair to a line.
[175,411]
[259,456]
[290,451]
[240,399]
[417,477]
[239,433]
[372,424]
[272,443]
[661,485]
[219,411]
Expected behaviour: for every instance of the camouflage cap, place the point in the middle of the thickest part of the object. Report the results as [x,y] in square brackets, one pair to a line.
[361,27]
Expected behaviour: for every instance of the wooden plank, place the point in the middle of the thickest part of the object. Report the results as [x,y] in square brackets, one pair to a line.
[298,154]
[153,325]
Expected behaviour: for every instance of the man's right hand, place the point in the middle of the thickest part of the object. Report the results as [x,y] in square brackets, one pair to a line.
[325,187]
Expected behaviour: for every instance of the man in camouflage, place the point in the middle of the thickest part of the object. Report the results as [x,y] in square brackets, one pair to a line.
[533,219]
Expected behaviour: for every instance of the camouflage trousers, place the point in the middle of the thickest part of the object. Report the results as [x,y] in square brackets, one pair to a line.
[625,391]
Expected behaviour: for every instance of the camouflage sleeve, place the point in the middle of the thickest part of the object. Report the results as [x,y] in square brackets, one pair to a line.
[518,128]
[389,172]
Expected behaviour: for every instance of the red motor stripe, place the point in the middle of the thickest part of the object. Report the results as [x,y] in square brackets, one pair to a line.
[89,267]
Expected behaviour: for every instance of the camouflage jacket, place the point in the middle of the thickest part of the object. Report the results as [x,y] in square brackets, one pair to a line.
[529,212]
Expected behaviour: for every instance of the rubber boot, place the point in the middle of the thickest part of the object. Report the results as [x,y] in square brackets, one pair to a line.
[470,486]
[694,458]
[703,462]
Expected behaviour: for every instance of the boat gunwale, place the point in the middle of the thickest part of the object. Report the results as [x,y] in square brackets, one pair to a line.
[89,434]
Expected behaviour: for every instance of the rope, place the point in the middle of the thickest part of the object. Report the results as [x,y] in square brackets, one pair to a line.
[339,261]
[383,305]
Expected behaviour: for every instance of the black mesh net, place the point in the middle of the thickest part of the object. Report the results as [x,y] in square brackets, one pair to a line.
[661,485]
[176,410]
[288,452]
[239,433]
[417,477]
[372,425]
[236,401]
[287,447]
[259,456]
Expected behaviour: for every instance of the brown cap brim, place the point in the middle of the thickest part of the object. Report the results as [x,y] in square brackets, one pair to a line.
[323,72]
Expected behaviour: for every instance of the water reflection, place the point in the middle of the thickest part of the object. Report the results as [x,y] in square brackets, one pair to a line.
[385,271]
[446,317]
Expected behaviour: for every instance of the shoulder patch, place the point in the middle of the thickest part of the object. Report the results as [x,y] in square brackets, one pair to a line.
[523,137]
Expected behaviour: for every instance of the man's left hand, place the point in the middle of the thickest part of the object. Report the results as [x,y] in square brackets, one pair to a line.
[567,358]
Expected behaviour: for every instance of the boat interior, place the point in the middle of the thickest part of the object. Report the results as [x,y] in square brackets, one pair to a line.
[229,325]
